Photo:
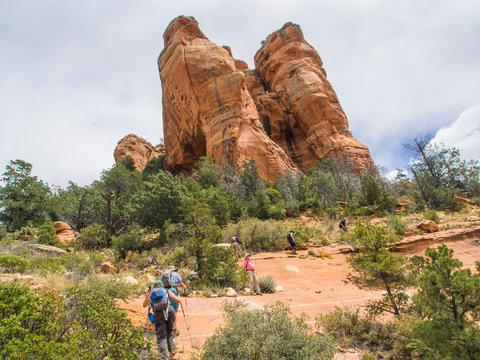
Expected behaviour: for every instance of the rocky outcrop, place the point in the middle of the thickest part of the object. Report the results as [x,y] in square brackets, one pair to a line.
[207,109]
[300,106]
[285,115]
[138,149]
[64,232]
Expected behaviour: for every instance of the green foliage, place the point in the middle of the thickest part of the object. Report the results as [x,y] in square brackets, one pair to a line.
[92,237]
[431,215]
[269,333]
[397,225]
[250,180]
[375,195]
[448,297]
[153,166]
[132,240]
[377,265]
[47,234]
[13,264]
[259,235]
[208,173]
[439,172]
[159,200]
[114,288]
[24,200]
[267,284]
[82,265]
[44,266]
[353,331]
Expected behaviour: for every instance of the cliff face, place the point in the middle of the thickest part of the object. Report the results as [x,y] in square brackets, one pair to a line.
[285,115]
[207,109]
[301,107]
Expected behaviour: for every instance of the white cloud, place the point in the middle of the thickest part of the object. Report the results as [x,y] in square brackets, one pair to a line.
[463,133]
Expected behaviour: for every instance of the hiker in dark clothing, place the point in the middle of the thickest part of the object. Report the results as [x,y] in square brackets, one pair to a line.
[343,224]
[163,319]
[292,242]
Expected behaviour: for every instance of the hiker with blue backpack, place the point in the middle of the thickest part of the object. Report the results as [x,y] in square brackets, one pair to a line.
[158,300]
[292,242]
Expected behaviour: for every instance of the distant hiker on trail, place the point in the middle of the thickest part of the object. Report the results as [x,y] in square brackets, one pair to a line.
[292,242]
[163,317]
[235,243]
[253,283]
[172,280]
[343,224]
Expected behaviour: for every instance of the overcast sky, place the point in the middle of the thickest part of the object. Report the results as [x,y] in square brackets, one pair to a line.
[77,76]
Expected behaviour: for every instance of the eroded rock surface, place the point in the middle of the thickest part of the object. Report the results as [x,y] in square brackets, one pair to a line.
[300,106]
[207,109]
[284,114]
[140,150]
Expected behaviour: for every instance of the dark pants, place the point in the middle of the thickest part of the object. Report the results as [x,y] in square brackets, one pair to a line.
[293,244]
[164,331]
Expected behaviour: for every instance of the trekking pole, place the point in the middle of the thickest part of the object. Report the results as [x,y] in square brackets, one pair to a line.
[188,326]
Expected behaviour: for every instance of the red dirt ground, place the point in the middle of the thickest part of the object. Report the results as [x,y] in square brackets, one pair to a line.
[312,285]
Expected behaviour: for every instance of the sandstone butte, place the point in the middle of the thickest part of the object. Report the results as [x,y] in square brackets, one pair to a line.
[284,114]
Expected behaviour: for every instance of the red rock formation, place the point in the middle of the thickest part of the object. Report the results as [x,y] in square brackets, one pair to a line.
[207,109]
[140,150]
[285,115]
[300,106]
[64,232]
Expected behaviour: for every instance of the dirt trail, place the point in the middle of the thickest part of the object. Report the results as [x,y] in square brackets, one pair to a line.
[312,285]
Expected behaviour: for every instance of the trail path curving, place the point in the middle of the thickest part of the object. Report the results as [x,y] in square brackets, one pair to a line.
[311,284]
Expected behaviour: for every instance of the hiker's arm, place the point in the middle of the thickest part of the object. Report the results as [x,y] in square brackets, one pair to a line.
[182,285]
[173,296]
[146,302]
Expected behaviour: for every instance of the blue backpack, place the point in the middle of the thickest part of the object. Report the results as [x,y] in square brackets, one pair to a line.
[159,299]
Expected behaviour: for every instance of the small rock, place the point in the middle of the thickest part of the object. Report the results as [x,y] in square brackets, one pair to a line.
[107,266]
[149,278]
[318,291]
[247,290]
[473,218]
[428,226]
[45,249]
[213,296]
[278,288]
[231,292]
[130,280]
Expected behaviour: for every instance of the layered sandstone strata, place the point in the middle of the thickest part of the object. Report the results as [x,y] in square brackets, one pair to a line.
[207,109]
[300,106]
[140,150]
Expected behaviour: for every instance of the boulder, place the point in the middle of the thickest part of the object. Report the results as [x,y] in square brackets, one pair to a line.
[46,250]
[107,267]
[463,200]
[473,218]
[428,226]
[231,293]
[130,280]
[138,149]
[64,232]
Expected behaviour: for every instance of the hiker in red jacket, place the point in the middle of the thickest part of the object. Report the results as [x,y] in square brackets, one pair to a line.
[253,283]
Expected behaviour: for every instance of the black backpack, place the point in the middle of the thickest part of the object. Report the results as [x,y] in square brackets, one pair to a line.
[167,279]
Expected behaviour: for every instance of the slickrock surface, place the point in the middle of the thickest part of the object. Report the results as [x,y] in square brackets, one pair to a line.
[140,150]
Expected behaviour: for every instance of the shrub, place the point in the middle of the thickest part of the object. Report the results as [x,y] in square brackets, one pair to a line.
[113,288]
[46,266]
[431,215]
[267,285]
[93,237]
[79,264]
[13,264]
[47,234]
[397,225]
[268,333]
[259,235]
[132,240]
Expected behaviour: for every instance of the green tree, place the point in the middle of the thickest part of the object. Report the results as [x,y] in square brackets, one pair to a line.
[378,266]
[80,205]
[250,180]
[47,234]
[449,299]
[117,187]
[159,200]
[24,199]
[208,172]
[264,334]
